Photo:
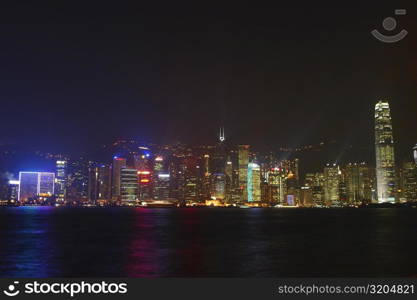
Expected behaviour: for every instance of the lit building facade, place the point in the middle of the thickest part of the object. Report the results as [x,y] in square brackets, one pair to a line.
[218,187]
[254,182]
[243,158]
[118,164]
[359,183]
[144,178]
[276,185]
[331,184]
[77,180]
[35,184]
[99,184]
[408,182]
[161,179]
[61,180]
[384,148]
[128,186]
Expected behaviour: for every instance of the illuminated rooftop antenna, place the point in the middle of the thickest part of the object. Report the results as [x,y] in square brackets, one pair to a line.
[222,137]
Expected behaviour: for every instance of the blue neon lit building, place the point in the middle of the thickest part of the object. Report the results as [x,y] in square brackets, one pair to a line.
[33,184]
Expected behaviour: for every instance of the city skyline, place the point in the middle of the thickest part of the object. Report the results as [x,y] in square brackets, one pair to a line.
[223,174]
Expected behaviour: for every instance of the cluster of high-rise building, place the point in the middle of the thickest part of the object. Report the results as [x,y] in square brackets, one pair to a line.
[221,175]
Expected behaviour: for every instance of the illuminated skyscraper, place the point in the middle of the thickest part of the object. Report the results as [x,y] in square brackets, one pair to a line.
[206,162]
[331,184]
[118,164]
[161,179]
[77,180]
[13,190]
[316,182]
[34,184]
[408,182]
[128,186]
[353,182]
[190,185]
[99,184]
[228,170]
[384,148]
[359,181]
[218,187]
[243,156]
[276,183]
[144,178]
[61,180]
[254,182]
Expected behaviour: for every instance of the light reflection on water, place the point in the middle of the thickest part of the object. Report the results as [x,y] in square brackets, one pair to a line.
[198,242]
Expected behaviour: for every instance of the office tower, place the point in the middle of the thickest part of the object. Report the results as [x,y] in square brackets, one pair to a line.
[161,186]
[104,182]
[205,188]
[145,190]
[331,184]
[343,190]
[191,188]
[384,148]
[254,182]
[367,183]
[77,180]
[316,182]
[408,182]
[99,184]
[306,196]
[191,183]
[206,164]
[13,191]
[353,182]
[118,164]
[359,183]
[415,153]
[243,158]
[218,187]
[161,179]
[275,180]
[128,186]
[229,178]
[61,180]
[292,189]
[35,184]
[229,169]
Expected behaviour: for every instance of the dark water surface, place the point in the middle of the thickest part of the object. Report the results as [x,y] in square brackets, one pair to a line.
[207,242]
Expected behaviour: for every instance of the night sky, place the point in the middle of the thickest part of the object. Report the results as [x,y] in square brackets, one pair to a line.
[79,75]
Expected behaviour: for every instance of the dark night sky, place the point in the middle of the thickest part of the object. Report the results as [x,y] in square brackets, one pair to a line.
[79,75]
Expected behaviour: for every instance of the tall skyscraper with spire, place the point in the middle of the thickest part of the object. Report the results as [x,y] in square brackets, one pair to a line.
[384,148]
